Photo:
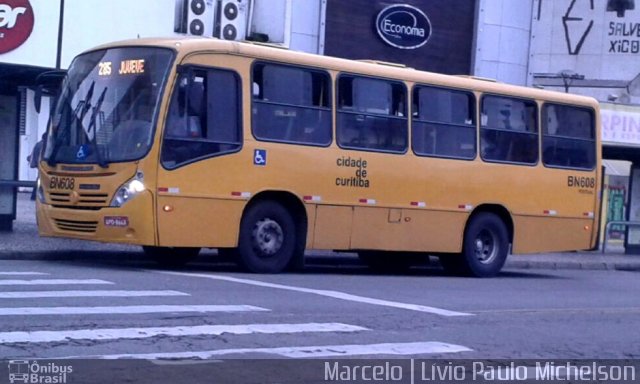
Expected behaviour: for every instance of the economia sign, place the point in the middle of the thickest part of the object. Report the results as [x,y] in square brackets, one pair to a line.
[16,23]
[403,26]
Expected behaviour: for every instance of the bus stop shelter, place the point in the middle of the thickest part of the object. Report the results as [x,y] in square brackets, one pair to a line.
[14,82]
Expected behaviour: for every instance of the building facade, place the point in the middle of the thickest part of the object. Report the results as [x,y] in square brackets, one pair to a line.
[588,47]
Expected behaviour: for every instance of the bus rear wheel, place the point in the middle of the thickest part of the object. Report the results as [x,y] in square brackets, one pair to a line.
[171,256]
[484,249]
[268,238]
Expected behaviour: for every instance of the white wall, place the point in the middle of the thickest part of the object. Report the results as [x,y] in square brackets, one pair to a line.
[40,49]
[88,23]
[556,48]
[502,45]
[305,25]
[291,23]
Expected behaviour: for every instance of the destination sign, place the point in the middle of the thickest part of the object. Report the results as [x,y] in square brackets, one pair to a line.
[125,67]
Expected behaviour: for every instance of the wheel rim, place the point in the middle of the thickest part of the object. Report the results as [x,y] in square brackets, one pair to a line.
[268,237]
[486,246]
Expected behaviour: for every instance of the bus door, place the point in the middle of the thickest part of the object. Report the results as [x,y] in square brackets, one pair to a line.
[202,132]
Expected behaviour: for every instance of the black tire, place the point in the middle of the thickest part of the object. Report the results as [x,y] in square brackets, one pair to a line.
[268,238]
[390,262]
[484,249]
[171,256]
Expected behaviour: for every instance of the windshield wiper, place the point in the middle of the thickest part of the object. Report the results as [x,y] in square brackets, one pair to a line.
[92,124]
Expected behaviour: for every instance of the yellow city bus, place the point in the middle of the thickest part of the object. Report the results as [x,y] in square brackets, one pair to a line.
[261,152]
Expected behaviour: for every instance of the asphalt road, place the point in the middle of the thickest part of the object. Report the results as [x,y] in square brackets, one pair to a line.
[112,308]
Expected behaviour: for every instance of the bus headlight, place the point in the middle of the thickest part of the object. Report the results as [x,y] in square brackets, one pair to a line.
[128,191]
[40,191]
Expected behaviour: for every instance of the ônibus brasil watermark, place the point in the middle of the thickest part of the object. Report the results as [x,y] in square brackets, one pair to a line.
[32,372]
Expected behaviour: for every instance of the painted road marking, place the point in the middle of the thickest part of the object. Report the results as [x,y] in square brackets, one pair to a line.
[327,293]
[140,333]
[415,348]
[54,282]
[132,309]
[114,293]
[22,273]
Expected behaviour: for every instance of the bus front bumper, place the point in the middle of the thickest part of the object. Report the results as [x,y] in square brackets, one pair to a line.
[133,223]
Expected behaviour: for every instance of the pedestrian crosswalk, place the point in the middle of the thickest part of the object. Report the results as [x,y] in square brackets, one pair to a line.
[204,320]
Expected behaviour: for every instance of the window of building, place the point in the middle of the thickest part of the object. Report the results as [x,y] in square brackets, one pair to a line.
[291,104]
[443,123]
[568,139]
[204,117]
[509,131]
[372,114]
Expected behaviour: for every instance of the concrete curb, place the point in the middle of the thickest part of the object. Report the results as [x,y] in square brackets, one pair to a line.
[593,266]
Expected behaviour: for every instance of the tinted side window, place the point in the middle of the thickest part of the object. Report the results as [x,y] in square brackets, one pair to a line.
[204,117]
[372,114]
[568,139]
[509,130]
[291,104]
[443,123]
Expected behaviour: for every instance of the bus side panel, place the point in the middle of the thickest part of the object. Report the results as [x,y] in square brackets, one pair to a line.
[414,230]
[544,234]
[198,222]
[332,227]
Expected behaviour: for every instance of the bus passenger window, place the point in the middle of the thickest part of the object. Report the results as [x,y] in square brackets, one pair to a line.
[291,105]
[372,114]
[510,132]
[568,139]
[443,123]
[203,118]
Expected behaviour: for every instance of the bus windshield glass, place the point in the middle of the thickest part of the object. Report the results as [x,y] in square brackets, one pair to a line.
[108,106]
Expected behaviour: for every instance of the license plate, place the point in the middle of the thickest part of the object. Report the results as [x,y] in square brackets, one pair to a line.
[116,221]
[62,182]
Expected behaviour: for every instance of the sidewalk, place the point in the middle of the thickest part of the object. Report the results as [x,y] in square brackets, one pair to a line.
[24,243]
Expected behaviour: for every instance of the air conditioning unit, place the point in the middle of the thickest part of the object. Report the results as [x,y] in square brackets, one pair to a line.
[233,19]
[195,17]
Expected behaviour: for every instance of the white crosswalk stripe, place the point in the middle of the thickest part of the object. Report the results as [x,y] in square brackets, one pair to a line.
[126,310]
[54,282]
[140,333]
[315,351]
[114,293]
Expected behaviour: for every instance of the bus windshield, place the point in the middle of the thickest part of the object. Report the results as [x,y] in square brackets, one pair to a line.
[108,105]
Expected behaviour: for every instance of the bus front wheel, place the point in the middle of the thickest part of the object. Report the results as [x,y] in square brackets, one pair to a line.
[171,256]
[484,249]
[268,238]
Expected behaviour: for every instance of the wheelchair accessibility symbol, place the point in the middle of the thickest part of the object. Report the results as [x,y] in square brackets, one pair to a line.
[260,157]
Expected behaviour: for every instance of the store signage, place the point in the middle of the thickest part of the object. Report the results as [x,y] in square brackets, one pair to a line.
[16,23]
[403,26]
